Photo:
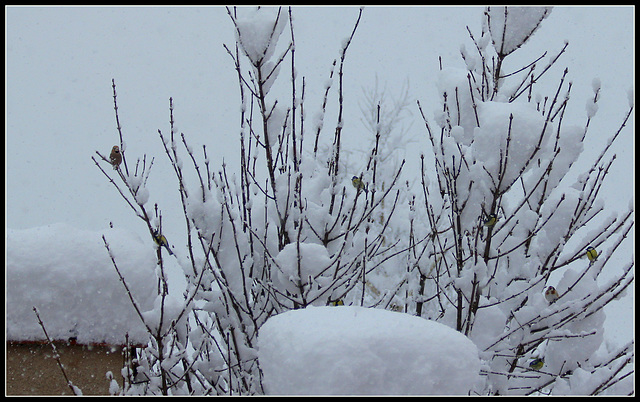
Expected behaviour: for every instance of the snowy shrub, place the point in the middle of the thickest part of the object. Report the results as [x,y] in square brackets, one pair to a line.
[473,246]
[504,223]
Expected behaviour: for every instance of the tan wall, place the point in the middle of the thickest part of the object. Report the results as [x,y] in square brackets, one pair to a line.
[32,370]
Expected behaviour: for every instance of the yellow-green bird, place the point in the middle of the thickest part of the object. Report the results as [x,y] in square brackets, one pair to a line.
[358,184]
[536,364]
[161,241]
[592,254]
[337,303]
[490,220]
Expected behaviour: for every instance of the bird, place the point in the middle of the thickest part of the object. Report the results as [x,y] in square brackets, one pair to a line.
[338,302]
[161,241]
[358,184]
[551,294]
[115,157]
[490,220]
[536,364]
[592,254]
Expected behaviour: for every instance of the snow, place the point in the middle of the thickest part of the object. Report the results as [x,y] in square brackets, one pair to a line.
[310,273]
[592,106]
[520,22]
[67,274]
[351,350]
[259,30]
[496,132]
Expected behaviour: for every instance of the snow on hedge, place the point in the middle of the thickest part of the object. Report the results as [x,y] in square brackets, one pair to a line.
[349,350]
[67,274]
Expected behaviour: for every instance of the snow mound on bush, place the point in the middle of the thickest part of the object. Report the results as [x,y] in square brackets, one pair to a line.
[351,350]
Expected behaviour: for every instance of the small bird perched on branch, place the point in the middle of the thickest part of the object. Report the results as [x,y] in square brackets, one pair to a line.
[551,294]
[536,364]
[358,184]
[115,157]
[161,241]
[490,220]
[592,254]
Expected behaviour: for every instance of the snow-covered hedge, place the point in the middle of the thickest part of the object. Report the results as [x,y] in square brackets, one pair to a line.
[67,274]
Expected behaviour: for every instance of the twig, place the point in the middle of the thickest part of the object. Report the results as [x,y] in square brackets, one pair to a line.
[74,389]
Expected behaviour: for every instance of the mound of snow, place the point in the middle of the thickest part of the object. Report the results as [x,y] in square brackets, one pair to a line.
[349,350]
[511,27]
[67,274]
